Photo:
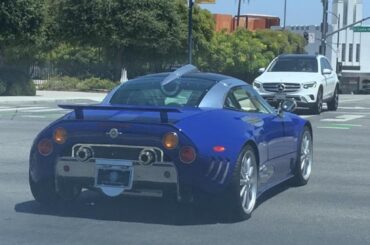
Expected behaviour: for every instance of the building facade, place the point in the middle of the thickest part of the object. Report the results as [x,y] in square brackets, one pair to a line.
[251,22]
[354,47]
[348,48]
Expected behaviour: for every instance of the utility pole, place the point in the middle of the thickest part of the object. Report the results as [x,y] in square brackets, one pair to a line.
[324,26]
[238,17]
[190,32]
[284,15]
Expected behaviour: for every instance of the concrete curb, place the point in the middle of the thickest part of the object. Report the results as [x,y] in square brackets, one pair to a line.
[54,97]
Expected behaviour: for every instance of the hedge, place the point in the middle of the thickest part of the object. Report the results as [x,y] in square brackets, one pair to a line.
[75,84]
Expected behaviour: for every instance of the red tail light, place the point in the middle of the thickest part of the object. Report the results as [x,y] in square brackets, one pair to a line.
[187,154]
[45,147]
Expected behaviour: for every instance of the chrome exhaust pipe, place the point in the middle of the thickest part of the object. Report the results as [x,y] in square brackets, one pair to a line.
[84,153]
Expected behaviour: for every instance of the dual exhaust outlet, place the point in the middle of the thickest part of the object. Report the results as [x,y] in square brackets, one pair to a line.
[146,156]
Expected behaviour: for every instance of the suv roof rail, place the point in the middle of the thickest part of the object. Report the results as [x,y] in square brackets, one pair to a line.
[179,73]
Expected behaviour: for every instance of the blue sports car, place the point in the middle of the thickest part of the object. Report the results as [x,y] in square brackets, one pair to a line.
[185,134]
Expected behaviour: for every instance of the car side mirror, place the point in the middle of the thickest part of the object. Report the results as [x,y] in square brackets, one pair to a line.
[327,71]
[261,70]
[287,106]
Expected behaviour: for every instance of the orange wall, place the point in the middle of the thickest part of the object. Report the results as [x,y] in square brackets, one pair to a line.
[229,22]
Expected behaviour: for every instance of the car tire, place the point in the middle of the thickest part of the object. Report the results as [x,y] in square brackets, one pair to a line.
[44,191]
[304,161]
[316,108]
[334,102]
[240,198]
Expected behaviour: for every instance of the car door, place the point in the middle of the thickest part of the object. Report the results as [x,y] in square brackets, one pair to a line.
[331,78]
[269,132]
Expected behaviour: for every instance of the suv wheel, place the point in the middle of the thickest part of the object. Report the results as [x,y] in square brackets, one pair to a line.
[316,108]
[334,101]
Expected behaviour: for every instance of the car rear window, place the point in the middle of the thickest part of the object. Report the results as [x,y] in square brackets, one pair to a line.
[148,92]
[294,64]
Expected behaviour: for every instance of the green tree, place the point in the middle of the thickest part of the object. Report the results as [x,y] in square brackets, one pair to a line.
[238,54]
[20,23]
[134,34]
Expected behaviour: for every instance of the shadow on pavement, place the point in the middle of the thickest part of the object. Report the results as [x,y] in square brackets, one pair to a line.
[91,205]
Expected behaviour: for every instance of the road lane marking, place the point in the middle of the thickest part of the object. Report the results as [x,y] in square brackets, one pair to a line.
[334,127]
[47,110]
[354,108]
[342,118]
[353,100]
[347,125]
[21,108]
[33,116]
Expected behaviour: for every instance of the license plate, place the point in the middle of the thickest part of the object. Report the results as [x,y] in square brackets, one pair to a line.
[114,173]
[113,177]
[279,96]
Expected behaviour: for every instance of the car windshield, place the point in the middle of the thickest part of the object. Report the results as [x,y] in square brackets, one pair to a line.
[149,92]
[294,64]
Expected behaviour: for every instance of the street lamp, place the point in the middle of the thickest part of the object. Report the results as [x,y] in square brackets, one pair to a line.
[338,37]
[324,30]
[284,15]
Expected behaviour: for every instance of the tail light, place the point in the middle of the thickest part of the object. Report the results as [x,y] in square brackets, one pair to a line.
[170,141]
[187,154]
[60,135]
[45,147]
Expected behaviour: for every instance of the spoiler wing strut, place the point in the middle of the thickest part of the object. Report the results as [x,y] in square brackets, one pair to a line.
[79,109]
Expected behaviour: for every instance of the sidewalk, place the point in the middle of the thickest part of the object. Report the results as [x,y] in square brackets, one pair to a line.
[53,96]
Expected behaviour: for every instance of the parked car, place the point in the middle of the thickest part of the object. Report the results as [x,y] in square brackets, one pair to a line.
[308,79]
[186,133]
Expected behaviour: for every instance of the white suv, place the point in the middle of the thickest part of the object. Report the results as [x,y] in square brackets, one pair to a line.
[308,79]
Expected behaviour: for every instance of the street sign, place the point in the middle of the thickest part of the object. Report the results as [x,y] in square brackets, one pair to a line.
[361,29]
[205,1]
[311,37]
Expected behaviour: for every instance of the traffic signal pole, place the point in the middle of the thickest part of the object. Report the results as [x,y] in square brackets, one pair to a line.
[324,26]
[190,32]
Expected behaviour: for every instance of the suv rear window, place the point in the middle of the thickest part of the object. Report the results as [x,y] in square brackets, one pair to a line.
[294,64]
[148,92]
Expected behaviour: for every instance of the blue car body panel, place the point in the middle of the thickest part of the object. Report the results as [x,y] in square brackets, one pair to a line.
[274,137]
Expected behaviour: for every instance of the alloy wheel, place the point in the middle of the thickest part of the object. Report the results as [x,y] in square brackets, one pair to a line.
[248,182]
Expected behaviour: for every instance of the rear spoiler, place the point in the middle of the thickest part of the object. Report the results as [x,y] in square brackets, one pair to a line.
[79,109]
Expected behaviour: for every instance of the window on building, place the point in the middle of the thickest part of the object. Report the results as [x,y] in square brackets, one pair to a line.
[358,50]
[343,52]
[350,52]
[354,13]
[345,13]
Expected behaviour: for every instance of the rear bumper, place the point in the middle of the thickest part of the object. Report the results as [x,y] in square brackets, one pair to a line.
[153,180]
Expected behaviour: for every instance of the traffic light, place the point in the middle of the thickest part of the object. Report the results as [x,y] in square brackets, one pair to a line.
[305,35]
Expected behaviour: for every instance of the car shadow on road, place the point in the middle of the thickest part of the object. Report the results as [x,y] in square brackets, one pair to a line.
[91,205]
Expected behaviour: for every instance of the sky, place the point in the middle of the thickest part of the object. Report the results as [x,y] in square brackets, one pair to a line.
[299,12]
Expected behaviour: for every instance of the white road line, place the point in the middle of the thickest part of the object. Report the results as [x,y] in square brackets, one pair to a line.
[354,108]
[333,127]
[21,108]
[303,116]
[33,116]
[353,100]
[342,118]
[47,110]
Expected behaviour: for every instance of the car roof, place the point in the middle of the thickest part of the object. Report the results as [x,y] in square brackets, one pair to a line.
[298,56]
[197,75]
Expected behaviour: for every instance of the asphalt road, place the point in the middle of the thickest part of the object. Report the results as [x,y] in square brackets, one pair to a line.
[334,208]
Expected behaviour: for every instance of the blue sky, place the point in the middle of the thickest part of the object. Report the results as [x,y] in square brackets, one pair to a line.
[299,12]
